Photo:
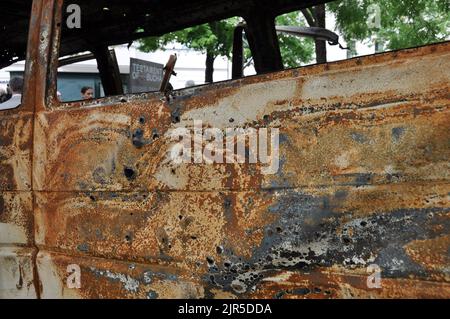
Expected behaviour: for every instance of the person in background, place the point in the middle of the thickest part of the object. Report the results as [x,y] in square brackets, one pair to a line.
[87,93]
[16,86]
[189,83]
[3,95]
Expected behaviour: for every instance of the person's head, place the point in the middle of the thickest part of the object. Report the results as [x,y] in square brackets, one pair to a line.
[189,83]
[16,85]
[87,93]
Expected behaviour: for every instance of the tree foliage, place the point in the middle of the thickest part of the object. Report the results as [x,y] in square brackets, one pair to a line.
[215,38]
[403,23]
[295,51]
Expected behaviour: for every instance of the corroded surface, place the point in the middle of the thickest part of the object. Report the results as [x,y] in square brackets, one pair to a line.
[17,273]
[363,179]
[15,152]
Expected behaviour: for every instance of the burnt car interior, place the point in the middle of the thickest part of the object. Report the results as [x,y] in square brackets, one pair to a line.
[109,23]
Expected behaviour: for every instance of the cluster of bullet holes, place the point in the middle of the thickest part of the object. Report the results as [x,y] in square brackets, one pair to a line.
[128,238]
[138,135]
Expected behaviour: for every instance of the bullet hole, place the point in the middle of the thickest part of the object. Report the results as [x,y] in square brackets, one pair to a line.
[123,100]
[279,230]
[131,214]
[210,261]
[363,224]
[180,217]
[92,197]
[231,120]
[155,135]
[193,237]
[142,120]
[266,117]
[227,264]
[327,292]
[219,250]
[128,238]
[173,171]
[130,174]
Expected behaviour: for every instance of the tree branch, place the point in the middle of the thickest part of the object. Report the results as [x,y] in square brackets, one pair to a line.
[309,17]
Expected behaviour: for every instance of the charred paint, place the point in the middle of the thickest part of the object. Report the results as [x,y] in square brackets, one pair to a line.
[363,179]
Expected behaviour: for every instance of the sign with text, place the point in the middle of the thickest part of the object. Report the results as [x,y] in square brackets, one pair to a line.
[145,76]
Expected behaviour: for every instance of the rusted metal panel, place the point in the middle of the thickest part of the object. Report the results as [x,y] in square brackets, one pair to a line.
[16,218]
[17,277]
[363,180]
[233,236]
[115,279]
[121,279]
[15,152]
[18,272]
[367,122]
[324,284]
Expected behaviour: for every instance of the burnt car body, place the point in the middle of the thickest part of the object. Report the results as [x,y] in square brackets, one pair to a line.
[363,177]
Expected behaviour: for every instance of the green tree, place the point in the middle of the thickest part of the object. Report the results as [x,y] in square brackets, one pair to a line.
[403,23]
[295,51]
[213,39]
